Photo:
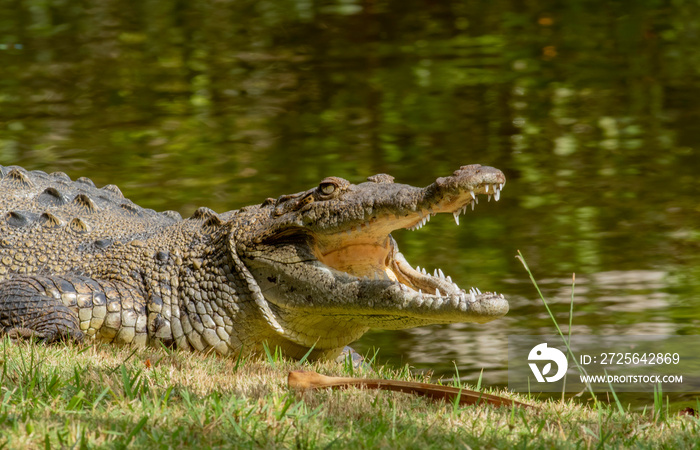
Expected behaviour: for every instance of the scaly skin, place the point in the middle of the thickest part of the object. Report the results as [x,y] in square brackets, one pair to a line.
[313,269]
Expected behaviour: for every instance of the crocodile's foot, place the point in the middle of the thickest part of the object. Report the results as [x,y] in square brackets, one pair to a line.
[22,333]
[27,312]
[18,333]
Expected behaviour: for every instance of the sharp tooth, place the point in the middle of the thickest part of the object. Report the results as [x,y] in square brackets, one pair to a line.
[477,290]
[473,297]
[427,218]
[497,196]
[420,292]
[437,292]
[442,275]
[472,205]
[487,188]
[448,278]
[477,200]
[417,268]
[489,197]
[472,193]
[456,216]
[424,272]
[435,273]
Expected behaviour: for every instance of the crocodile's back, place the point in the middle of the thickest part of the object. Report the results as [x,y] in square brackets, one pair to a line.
[49,223]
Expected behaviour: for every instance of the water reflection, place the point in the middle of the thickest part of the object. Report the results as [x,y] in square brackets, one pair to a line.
[587,107]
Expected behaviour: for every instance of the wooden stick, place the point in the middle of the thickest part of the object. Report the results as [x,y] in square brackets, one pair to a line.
[301,379]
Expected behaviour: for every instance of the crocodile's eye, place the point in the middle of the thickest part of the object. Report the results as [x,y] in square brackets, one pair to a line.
[327,188]
[331,187]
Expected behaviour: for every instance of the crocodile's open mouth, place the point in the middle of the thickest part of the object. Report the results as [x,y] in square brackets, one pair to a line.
[367,249]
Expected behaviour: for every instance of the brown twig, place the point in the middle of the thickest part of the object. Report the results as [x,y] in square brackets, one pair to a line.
[300,379]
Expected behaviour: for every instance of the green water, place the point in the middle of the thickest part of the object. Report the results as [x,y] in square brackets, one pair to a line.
[589,107]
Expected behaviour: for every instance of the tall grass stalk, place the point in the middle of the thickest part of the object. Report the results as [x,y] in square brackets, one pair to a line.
[581,370]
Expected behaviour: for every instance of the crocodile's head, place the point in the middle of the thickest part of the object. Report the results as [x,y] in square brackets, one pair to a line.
[329,269]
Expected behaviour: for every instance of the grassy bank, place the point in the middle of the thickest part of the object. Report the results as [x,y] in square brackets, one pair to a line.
[99,395]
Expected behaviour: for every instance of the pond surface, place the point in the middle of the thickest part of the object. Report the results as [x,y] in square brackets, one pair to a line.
[589,107]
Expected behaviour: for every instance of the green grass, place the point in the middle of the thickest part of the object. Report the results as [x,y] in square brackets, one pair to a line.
[99,395]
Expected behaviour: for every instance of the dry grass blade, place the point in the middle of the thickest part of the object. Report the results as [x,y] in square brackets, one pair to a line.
[300,379]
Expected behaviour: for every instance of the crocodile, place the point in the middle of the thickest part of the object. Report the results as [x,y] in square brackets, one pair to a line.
[308,272]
